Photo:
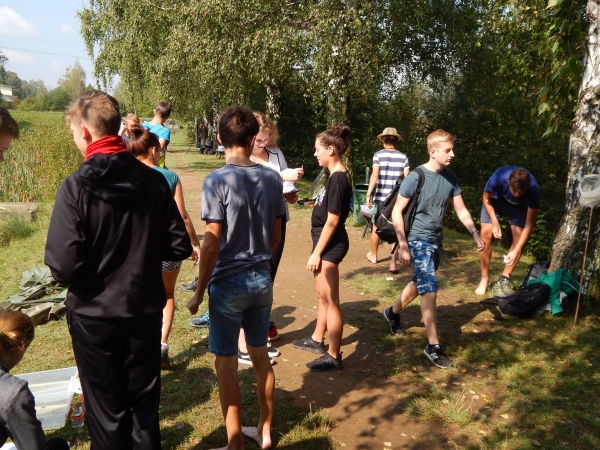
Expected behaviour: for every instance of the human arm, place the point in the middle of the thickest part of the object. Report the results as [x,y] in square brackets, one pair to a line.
[487,204]
[398,221]
[189,226]
[292,174]
[371,188]
[208,257]
[530,221]
[20,421]
[406,171]
[314,261]
[275,234]
[465,217]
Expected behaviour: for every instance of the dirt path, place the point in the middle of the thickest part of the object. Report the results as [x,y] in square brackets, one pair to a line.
[367,408]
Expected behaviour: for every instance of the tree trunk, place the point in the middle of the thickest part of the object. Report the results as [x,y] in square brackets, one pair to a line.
[568,248]
[273,100]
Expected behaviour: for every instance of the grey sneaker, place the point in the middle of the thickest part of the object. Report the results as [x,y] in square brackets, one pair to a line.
[394,321]
[437,356]
[309,345]
[191,286]
[200,322]
[502,288]
[325,363]
[272,351]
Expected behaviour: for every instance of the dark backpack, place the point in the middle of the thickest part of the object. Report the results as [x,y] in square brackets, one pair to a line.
[385,228]
[534,271]
[525,300]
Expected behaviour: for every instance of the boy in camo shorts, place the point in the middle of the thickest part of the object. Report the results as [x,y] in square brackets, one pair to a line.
[425,237]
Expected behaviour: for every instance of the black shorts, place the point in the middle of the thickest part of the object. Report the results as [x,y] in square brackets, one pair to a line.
[336,248]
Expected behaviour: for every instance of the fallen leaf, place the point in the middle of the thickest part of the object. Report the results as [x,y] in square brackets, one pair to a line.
[403,434]
[504,416]
[429,380]
[445,401]
[180,425]
[483,432]
[472,392]
[414,368]
[387,444]
[536,443]
[285,360]
[492,364]
[329,392]
[303,396]
[330,378]
[456,383]
[476,397]
[463,384]
[443,384]
[463,370]
[342,444]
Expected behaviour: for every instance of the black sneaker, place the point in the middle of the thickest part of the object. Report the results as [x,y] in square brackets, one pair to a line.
[272,351]
[310,345]
[394,321]
[437,356]
[191,286]
[325,363]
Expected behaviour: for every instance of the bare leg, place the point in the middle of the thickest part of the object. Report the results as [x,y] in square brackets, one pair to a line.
[231,399]
[242,341]
[429,312]
[374,245]
[408,295]
[328,289]
[485,256]
[321,327]
[169,280]
[516,236]
[265,387]
[393,264]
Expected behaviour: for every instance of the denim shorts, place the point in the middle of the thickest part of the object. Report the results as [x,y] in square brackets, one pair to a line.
[241,300]
[516,214]
[426,259]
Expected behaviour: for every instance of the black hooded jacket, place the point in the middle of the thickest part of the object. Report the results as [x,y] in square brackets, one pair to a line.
[113,223]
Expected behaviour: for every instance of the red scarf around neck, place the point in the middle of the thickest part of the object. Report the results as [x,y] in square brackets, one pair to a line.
[108,145]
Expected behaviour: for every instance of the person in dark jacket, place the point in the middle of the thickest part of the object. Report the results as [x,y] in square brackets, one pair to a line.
[17,405]
[113,223]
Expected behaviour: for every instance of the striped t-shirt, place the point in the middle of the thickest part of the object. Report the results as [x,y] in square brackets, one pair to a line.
[391,164]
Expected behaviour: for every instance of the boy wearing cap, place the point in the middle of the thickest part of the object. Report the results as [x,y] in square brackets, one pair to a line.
[388,165]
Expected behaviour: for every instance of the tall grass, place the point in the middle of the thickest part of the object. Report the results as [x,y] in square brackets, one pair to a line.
[39,160]
[14,226]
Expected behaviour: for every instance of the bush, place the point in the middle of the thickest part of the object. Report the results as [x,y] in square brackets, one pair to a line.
[14,226]
[39,160]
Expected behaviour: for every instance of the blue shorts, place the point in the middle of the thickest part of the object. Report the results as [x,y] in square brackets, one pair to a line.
[241,300]
[517,214]
[425,259]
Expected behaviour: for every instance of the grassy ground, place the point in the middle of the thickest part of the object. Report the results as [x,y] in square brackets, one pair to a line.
[515,384]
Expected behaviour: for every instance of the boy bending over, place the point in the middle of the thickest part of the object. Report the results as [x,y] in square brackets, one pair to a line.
[425,237]
[243,208]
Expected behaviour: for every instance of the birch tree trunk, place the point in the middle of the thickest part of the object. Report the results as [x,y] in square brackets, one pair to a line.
[273,100]
[568,248]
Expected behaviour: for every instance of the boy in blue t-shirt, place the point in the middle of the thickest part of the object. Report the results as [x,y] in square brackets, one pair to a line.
[511,192]
[424,239]
[162,112]
[243,208]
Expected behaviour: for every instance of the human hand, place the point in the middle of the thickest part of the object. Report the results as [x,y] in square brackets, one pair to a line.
[404,256]
[478,241]
[497,230]
[314,263]
[369,202]
[294,174]
[194,303]
[196,254]
[291,198]
[512,257]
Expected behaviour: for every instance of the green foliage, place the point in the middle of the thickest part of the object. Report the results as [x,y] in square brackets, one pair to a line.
[39,160]
[13,227]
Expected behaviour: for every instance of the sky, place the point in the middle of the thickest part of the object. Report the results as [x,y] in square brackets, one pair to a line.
[41,39]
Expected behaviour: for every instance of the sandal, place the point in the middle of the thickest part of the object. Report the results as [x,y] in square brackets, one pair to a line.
[370,258]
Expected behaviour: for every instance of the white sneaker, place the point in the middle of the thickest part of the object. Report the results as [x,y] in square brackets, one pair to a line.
[272,351]
[244,358]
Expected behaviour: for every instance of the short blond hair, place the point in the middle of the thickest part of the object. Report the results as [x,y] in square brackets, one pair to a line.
[99,110]
[438,136]
[266,124]
[133,117]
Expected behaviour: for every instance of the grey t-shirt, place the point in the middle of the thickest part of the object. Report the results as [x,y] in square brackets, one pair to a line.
[245,201]
[437,189]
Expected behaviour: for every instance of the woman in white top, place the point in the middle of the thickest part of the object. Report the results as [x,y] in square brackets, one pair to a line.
[266,152]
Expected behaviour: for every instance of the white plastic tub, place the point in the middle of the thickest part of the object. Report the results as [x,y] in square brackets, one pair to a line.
[52,395]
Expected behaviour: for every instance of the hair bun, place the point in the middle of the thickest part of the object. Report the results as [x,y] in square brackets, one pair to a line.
[341,130]
[137,130]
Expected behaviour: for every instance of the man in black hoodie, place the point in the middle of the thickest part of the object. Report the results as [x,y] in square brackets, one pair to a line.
[113,223]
